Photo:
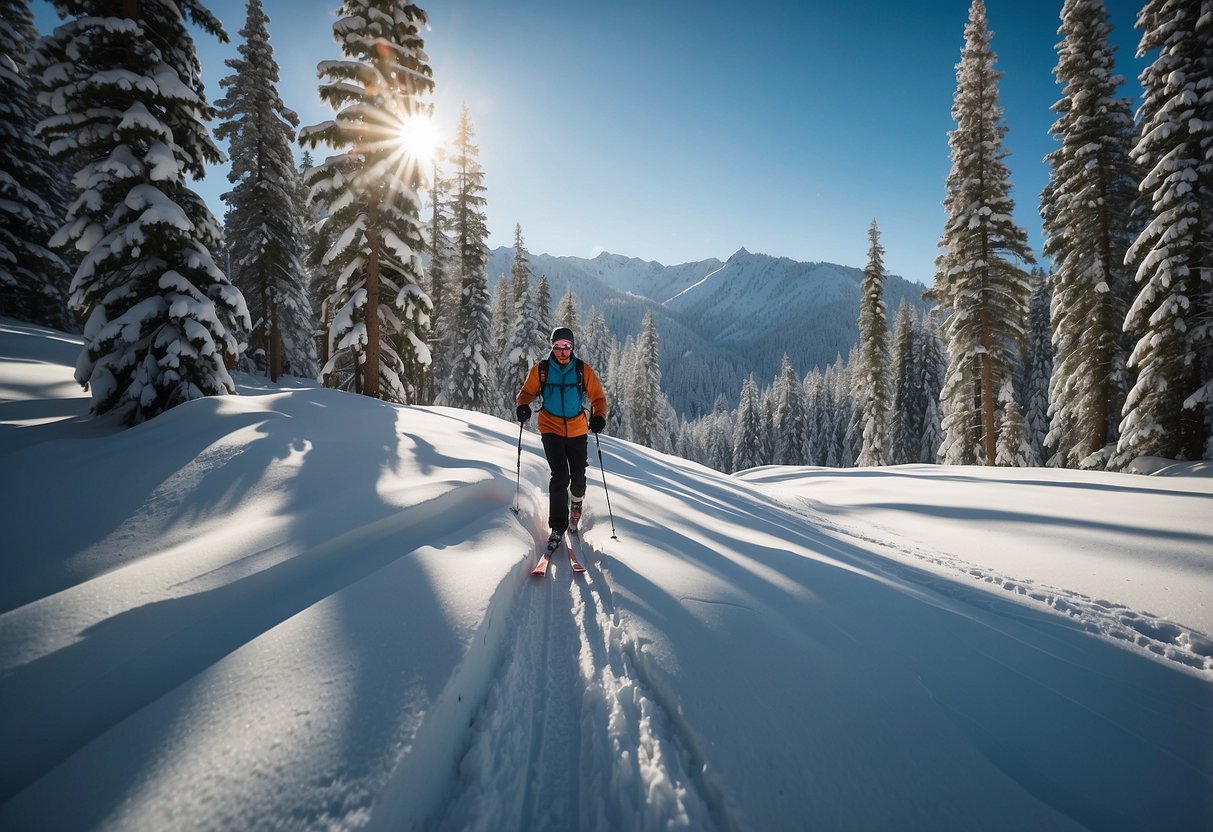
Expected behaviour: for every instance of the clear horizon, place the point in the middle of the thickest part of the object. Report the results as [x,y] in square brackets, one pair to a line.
[679,132]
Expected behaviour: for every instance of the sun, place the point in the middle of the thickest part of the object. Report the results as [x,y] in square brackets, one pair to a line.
[417,137]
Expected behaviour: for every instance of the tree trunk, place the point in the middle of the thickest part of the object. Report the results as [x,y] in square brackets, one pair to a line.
[370,385]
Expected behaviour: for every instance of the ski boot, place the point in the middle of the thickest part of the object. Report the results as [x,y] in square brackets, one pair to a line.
[575,516]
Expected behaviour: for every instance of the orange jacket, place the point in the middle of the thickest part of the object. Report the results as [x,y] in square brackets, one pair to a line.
[578,425]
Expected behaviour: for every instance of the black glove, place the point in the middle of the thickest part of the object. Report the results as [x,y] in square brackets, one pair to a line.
[524,412]
[597,424]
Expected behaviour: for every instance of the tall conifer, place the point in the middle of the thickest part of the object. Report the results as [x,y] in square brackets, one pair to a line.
[124,91]
[978,284]
[470,385]
[31,275]
[265,235]
[1087,207]
[871,376]
[1169,411]
[372,240]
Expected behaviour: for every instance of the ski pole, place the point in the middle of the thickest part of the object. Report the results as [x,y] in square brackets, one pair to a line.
[518,472]
[606,490]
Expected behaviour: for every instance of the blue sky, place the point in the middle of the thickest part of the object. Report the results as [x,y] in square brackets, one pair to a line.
[679,131]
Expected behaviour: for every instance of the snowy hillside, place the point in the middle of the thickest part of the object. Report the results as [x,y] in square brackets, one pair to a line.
[300,609]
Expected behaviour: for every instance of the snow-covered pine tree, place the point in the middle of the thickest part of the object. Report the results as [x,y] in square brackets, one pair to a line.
[647,411]
[1169,411]
[978,286]
[903,425]
[749,438]
[812,417]
[595,345]
[372,235]
[871,375]
[932,367]
[518,350]
[850,423]
[442,284]
[617,372]
[1038,367]
[791,421]
[568,311]
[470,385]
[687,443]
[123,89]
[718,439]
[503,317]
[543,305]
[1087,208]
[31,275]
[264,230]
[768,420]
[316,274]
[1013,447]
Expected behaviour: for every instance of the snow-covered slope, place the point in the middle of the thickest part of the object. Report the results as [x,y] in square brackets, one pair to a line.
[299,609]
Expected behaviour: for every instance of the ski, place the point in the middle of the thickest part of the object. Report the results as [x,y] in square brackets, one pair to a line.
[541,568]
[577,567]
[544,558]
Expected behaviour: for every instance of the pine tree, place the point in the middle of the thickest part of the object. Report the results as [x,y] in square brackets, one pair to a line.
[904,427]
[31,275]
[503,324]
[442,285]
[1013,447]
[718,442]
[265,236]
[568,311]
[517,353]
[160,314]
[646,408]
[850,418]
[749,439]
[931,370]
[316,274]
[372,237]
[977,284]
[543,304]
[470,385]
[618,373]
[1038,367]
[872,372]
[1087,209]
[596,343]
[1169,411]
[791,421]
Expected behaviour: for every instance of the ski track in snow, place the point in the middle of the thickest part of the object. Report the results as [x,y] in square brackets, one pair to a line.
[1156,635]
[570,736]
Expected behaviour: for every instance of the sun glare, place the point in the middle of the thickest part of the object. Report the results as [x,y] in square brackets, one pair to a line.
[418,138]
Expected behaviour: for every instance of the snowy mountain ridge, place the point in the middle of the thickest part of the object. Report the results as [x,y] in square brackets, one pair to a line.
[720,320]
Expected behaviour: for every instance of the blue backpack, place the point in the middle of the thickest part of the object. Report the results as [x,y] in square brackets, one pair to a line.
[543,384]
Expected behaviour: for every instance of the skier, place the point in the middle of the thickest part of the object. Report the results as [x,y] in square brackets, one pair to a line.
[565,384]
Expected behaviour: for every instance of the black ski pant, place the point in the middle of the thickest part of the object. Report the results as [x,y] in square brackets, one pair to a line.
[567,458]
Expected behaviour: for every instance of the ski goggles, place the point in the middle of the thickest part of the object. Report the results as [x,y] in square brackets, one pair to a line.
[563,345]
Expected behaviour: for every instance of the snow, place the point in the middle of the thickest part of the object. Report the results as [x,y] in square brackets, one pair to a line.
[303,609]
